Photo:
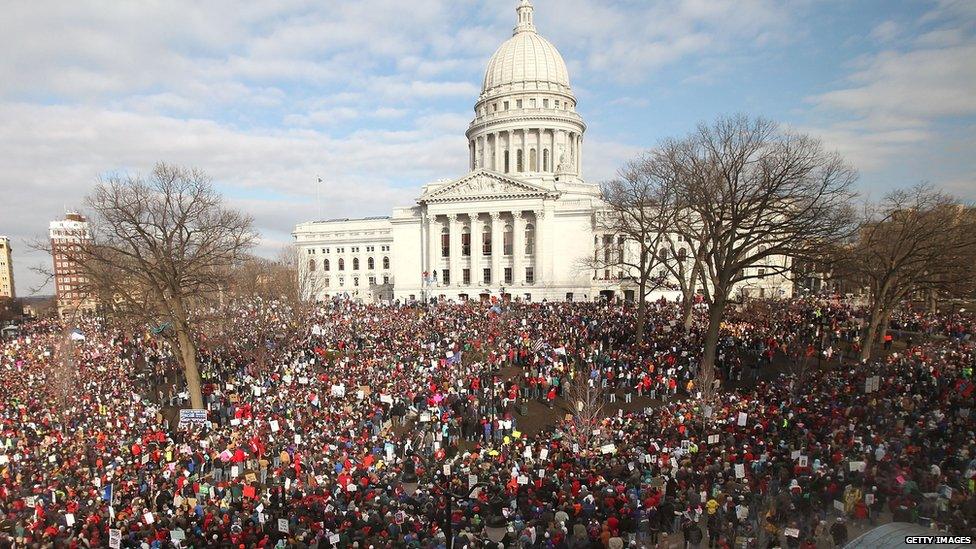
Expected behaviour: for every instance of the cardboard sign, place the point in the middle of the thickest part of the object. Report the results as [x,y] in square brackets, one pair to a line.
[283,525]
[522,479]
[792,532]
[608,448]
[192,417]
[115,538]
[857,466]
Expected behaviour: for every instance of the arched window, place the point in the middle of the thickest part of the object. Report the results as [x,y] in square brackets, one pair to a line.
[386,262]
[486,240]
[445,242]
[529,239]
[311,264]
[519,165]
[545,160]
[342,264]
[507,238]
[466,241]
[371,263]
[325,264]
[682,254]
[662,254]
[533,166]
[507,165]
[355,263]
[325,282]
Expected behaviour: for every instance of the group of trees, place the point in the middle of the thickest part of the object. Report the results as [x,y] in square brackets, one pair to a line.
[724,205]
[742,199]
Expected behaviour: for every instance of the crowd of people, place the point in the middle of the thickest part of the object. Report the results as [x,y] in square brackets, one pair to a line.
[349,425]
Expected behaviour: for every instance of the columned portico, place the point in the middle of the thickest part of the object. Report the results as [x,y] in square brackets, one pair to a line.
[497,248]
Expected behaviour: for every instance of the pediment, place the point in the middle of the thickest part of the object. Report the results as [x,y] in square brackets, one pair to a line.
[486,184]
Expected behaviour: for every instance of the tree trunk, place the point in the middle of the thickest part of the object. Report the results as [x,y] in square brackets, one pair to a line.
[641,311]
[870,331]
[188,356]
[716,311]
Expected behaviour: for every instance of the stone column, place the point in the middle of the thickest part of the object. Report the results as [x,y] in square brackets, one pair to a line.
[433,245]
[497,250]
[477,227]
[579,154]
[540,249]
[455,261]
[518,249]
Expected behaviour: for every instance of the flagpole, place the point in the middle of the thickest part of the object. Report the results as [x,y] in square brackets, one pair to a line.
[318,199]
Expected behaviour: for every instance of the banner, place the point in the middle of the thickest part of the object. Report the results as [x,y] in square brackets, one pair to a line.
[192,416]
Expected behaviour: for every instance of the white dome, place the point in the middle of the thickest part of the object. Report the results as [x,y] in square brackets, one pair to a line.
[526,61]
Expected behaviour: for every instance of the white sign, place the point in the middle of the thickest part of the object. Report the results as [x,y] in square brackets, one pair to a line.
[740,470]
[713,439]
[69,519]
[792,532]
[115,538]
[192,417]
[149,518]
[283,526]
[274,425]
[743,417]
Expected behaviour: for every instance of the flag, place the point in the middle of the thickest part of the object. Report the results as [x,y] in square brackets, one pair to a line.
[107,493]
[76,335]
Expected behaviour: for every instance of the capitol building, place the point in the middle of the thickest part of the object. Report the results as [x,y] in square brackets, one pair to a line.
[521,224]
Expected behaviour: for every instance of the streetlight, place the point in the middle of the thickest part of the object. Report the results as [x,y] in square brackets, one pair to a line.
[496,527]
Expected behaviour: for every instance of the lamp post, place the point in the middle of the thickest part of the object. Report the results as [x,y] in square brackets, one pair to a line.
[495,526]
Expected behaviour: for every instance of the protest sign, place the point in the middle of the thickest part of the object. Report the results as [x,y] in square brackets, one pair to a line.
[283,525]
[192,417]
[115,538]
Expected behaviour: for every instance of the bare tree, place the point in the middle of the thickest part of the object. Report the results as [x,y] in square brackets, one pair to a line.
[755,196]
[640,209]
[586,403]
[162,248]
[916,240]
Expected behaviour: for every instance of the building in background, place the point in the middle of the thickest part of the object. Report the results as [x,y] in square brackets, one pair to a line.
[67,236]
[6,269]
[521,224]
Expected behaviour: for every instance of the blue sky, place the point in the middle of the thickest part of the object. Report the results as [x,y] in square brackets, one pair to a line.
[374,95]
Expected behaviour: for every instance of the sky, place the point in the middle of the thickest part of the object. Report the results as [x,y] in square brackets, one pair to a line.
[374,96]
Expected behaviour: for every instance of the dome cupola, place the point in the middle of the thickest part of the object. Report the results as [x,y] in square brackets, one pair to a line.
[525,118]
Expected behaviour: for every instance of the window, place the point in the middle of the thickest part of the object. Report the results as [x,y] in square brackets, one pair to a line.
[342,264]
[311,264]
[518,103]
[494,107]
[682,254]
[486,241]
[446,276]
[355,263]
[371,263]
[532,103]
[506,162]
[386,280]
[386,262]
[506,105]
[466,241]
[545,160]
[569,296]
[533,166]
[466,276]
[342,281]
[326,282]
[606,274]
[445,242]
[529,239]
[519,166]
[545,103]
[372,281]
[325,265]
[530,275]
[662,254]
[762,273]
[507,238]
[355,281]
[486,275]
[556,104]
[508,275]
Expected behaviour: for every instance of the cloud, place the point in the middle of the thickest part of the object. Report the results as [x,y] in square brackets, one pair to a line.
[885,31]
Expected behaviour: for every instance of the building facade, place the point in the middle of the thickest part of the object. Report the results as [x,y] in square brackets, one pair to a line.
[521,224]
[6,269]
[69,282]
